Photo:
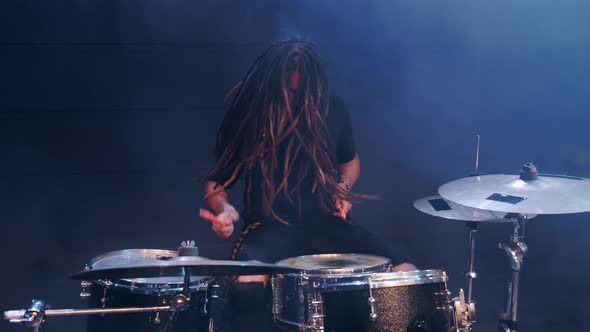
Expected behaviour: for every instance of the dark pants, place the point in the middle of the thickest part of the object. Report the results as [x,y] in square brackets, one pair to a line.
[275,241]
[249,304]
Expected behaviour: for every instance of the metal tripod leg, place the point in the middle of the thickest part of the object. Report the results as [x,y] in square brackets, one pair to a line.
[516,250]
[470,275]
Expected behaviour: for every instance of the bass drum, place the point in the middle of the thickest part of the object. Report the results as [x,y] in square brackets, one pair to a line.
[145,292]
[335,298]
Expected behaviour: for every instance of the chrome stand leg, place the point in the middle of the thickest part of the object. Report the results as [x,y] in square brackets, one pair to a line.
[464,310]
[516,250]
[470,275]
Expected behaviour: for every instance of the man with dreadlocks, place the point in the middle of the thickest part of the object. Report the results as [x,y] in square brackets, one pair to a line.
[293,145]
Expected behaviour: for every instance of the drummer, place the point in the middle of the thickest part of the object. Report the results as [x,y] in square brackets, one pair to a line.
[293,145]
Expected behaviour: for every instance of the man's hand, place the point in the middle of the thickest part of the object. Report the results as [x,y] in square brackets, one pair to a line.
[342,209]
[223,223]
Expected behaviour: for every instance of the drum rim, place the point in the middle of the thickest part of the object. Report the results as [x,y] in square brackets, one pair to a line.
[146,287]
[94,260]
[382,267]
[377,280]
[384,279]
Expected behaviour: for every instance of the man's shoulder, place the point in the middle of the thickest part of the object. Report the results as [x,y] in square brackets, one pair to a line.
[337,109]
[337,103]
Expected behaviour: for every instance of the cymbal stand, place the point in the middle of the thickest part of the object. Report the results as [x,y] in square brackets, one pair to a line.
[464,311]
[515,250]
[472,227]
[470,275]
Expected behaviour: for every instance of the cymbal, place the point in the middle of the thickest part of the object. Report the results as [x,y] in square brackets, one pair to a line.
[174,267]
[442,208]
[546,194]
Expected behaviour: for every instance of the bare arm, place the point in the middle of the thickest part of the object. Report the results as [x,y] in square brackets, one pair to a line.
[217,201]
[225,214]
[349,174]
[350,171]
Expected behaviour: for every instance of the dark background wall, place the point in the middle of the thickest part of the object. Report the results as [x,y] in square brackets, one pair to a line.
[108,112]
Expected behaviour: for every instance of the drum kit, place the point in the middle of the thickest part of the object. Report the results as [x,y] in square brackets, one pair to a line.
[173,290]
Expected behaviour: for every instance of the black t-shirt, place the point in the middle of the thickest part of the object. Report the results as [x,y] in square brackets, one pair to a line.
[340,134]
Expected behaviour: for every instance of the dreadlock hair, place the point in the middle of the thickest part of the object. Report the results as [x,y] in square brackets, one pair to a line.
[263,112]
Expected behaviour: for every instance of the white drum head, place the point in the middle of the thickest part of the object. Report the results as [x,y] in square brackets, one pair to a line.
[338,263]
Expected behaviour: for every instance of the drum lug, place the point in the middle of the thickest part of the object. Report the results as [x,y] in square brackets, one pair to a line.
[85,285]
[443,300]
[85,291]
[443,297]
[372,315]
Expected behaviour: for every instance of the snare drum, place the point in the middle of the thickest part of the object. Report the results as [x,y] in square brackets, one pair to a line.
[348,292]
[144,292]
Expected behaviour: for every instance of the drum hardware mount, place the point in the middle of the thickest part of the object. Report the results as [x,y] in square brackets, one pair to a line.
[85,292]
[309,293]
[444,297]
[463,312]
[214,293]
[103,300]
[315,303]
[157,319]
[33,317]
[216,304]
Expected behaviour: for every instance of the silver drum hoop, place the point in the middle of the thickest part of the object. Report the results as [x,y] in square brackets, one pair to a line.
[380,280]
[144,286]
[337,264]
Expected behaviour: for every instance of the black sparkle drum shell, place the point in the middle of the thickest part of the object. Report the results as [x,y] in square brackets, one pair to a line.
[397,307]
[145,292]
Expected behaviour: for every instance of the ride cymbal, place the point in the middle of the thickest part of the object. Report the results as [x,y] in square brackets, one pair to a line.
[542,194]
